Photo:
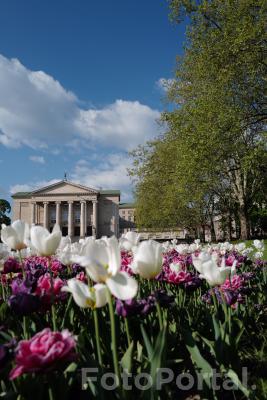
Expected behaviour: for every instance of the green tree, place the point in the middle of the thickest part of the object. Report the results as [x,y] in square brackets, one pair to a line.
[215,142]
[4,209]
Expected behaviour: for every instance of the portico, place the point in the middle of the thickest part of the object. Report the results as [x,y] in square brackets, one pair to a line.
[70,215]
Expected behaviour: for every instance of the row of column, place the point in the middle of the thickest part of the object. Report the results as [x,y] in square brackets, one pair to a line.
[83,216]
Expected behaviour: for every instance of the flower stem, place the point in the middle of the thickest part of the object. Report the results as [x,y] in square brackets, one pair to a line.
[53,317]
[3,289]
[214,300]
[21,262]
[50,393]
[113,338]
[25,330]
[98,347]
[159,315]
[127,331]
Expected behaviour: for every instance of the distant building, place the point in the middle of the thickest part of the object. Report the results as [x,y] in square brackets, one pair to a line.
[127,217]
[79,210]
[127,223]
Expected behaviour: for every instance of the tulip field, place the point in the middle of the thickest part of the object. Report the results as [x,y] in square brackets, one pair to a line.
[124,319]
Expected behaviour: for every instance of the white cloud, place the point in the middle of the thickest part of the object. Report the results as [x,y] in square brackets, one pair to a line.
[124,124]
[37,159]
[37,111]
[164,84]
[110,174]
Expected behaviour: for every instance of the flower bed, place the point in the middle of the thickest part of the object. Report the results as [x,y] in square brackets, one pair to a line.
[118,319]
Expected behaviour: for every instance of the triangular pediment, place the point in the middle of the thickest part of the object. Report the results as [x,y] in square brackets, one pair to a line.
[64,187]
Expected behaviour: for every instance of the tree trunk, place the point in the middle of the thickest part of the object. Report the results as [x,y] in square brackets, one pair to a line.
[244,231]
[212,230]
[230,227]
[203,234]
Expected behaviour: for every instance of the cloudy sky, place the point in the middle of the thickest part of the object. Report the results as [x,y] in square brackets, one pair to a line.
[81,84]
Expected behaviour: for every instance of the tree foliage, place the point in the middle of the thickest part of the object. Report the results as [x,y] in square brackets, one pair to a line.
[4,209]
[213,151]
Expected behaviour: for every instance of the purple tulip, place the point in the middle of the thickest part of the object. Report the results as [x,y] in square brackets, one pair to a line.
[24,303]
[163,298]
[11,265]
[23,285]
[3,356]
[36,270]
[128,308]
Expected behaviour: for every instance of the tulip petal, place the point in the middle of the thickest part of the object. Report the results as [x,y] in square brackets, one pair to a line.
[22,230]
[79,291]
[122,286]
[114,255]
[9,237]
[38,235]
[101,295]
[96,250]
[96,271]
[51,243]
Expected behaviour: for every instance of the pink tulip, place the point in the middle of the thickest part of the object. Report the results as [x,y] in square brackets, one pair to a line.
[44,352]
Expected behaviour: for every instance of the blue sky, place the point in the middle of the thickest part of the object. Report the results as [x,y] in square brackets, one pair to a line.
[80,86]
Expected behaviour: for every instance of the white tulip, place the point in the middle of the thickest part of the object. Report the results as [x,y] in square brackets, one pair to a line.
[240,246]
[65,255]
[200,260]
[86,297]
[197,243]
[182,248]
[129,241]
[102,262]
[16,236]
[148,259]
[258,254]
[166,246]
[208,268]
[259,244]
[4,253]
[64,242]
[247,251]
[44,242]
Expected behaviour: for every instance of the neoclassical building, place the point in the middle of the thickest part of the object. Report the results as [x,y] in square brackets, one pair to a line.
[79,210]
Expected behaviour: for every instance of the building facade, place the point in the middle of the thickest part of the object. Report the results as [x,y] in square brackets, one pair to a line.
[79,210]
[127,223]
[127,217]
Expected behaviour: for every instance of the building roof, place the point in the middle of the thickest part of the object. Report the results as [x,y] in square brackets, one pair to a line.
[21,194]
[118,192]
[28,194]
[127,205]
